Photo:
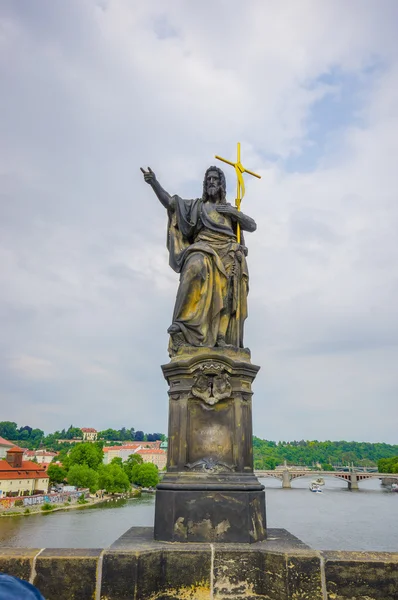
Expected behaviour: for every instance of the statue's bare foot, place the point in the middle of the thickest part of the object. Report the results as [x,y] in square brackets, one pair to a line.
[178,340]
[221,343]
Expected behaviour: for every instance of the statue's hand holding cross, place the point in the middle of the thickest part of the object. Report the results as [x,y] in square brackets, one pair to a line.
[240,188]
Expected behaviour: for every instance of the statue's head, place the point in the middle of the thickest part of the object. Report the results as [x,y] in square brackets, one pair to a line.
[214,186]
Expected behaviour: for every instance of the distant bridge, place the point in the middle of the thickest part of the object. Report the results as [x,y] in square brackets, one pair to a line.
[350,477]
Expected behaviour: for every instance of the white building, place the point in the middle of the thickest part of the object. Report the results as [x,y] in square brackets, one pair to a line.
[123,452]
[89,434]
[43,457]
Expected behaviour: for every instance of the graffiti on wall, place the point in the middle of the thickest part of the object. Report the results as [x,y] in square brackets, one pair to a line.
[58,498]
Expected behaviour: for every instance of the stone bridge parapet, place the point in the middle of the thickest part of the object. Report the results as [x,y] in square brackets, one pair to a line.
[137,567]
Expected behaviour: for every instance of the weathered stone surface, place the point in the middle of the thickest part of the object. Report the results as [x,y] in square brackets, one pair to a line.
[157,568]
[67,574]
[119,576]
[237,574]
[177,574]
[304,576]
[268,575]
[210,516]
[140,539]
[17,561]
[361,575]
[238,571]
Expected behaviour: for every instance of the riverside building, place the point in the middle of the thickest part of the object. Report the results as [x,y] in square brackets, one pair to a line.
[20,477]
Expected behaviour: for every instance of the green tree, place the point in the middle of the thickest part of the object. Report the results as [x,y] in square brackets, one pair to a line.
[8,430]
[271,463]
[113,479]
[62,456]
[117,461]
[133,459]
[83,476]
[85,454]
[36,435]
[56,473]
[327,467]
[73,432]
[109,434]
[145,475]
[388,465]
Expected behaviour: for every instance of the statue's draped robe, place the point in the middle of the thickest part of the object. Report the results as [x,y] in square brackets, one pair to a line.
[213,272]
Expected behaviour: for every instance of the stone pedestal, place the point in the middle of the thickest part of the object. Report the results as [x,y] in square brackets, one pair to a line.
[209,492]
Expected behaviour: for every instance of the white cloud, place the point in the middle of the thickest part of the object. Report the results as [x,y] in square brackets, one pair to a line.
[32,367]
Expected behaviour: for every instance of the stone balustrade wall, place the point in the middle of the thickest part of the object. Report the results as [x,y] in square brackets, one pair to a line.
[138,568]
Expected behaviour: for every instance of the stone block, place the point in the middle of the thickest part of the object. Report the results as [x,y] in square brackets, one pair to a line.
[17,562]
[210,516]
[259,573]
[360,575]
[237,574]
[119,576]
[304,577]
[67,574]
[156,574]
[175,574]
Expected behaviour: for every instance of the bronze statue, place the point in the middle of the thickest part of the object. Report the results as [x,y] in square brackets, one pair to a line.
[211,303]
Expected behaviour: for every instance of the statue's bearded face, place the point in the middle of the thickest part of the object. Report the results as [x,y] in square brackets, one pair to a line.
[213,184]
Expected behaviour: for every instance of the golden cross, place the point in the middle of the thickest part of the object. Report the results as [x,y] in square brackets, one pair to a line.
[240,186]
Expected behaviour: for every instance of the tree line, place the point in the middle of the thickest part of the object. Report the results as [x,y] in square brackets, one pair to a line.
[268,454]
[32,438]
[83,467]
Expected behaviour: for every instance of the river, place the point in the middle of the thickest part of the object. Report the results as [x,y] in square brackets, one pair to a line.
[337,519]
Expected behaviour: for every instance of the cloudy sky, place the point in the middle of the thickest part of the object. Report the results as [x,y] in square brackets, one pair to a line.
[93,89]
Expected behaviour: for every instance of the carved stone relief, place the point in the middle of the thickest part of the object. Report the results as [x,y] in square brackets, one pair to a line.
[212,388]
[209,464]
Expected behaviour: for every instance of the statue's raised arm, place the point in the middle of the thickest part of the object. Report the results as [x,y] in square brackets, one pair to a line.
[163,196]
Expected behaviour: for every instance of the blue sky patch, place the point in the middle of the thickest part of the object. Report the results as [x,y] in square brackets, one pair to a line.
[333,114]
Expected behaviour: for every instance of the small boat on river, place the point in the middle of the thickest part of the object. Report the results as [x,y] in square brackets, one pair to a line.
[315,487]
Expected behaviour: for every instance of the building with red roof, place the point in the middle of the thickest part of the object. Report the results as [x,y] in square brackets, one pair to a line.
[89,434]
[155,456]
[43,457]
[20,477]
[124,450]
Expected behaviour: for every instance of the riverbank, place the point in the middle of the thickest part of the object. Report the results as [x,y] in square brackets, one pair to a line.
[75,505]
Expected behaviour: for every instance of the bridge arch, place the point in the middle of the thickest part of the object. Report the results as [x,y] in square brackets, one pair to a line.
[315,475]
[272,475]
